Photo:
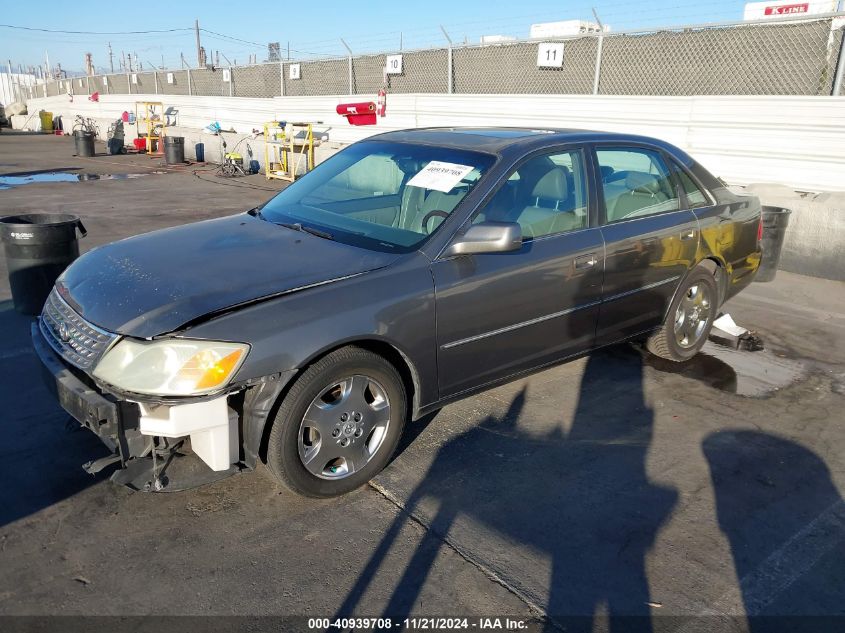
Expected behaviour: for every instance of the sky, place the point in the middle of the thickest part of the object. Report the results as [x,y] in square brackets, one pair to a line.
[239,29]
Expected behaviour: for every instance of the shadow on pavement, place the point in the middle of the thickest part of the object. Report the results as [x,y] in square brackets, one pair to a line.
[593,524]
[785,521]
[42,450]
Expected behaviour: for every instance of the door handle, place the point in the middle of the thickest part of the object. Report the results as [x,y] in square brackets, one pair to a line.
[586,261]
[688,234]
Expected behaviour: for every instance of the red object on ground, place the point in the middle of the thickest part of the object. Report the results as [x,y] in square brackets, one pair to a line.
[381,110]
[140,144]
[94,97]
[363,113]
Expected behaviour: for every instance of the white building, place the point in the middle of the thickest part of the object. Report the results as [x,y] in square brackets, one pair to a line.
[496,39]
[565,28]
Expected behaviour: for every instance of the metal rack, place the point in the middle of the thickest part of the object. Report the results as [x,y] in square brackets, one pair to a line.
[286,146]
[155,123]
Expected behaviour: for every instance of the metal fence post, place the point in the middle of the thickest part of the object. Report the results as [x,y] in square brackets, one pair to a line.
[597,75]
[88,83]
[282,78]
[231,81]
[155,79]
[190,89]
[128,83]
[840,69]
[349,59]
[448,60]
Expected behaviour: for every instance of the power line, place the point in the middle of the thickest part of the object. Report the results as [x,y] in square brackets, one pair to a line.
[29,28]
[229,37]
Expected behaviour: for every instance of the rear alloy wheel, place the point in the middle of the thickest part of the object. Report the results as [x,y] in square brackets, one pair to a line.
[689,320]
[339,424]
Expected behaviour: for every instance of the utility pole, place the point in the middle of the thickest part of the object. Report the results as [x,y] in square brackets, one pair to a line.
[199,48]
[49,69]
[182,57]
[288,50]
[111,58]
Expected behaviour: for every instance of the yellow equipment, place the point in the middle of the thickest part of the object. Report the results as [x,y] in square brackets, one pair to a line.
[46,121]
[151,115]
[286,146]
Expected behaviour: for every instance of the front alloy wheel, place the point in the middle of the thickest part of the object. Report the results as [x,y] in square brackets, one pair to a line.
[338,425]
[344,427]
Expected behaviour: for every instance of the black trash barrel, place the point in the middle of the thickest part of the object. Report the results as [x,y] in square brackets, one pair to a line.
[84,143]
[174,150]
[775,221]
[39,246]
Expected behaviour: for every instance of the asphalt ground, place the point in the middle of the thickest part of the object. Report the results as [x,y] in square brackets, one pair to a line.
[703,496]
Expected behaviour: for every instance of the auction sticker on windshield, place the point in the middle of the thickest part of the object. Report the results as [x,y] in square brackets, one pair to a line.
[440,176]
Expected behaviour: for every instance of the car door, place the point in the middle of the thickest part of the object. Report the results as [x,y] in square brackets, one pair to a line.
[650,240]
[499,313]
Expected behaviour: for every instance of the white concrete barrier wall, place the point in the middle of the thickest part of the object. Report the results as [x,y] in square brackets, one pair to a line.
[795,141]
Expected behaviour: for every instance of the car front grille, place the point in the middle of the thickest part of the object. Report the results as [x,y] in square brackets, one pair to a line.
[77,341]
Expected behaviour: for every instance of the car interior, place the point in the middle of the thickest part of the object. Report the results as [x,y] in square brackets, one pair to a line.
[644,190]
[542,197]
[545,196]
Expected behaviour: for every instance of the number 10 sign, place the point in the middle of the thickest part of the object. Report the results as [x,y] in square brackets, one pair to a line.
[550,55]
[393,65]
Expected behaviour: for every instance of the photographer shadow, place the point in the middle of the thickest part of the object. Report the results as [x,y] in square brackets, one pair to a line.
[577,500]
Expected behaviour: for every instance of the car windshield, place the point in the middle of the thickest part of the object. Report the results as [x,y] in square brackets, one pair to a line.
[380,195]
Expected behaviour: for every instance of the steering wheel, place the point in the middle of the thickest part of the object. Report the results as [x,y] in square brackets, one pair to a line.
[432,214]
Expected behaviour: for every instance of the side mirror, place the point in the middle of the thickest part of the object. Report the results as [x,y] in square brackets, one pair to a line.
[487,237]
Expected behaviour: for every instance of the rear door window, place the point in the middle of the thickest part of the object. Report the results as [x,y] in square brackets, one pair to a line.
[636,182]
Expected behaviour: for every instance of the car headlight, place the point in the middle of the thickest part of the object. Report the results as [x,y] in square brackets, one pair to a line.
[175,367]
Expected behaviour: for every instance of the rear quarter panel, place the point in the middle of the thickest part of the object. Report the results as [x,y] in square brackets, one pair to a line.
[729,235]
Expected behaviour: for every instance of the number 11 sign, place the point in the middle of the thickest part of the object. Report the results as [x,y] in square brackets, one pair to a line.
[550,55]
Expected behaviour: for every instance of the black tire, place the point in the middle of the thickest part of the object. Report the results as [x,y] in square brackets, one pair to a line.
[283,446]
[664,342]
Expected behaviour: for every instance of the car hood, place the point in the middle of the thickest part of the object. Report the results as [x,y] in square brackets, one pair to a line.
[152,284]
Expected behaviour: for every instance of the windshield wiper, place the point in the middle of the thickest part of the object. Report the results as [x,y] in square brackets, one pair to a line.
[296,226]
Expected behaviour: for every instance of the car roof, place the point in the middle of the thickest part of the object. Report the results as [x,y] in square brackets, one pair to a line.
[498,139]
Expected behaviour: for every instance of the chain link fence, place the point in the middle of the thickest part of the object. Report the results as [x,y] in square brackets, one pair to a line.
[751,58]
[260,80]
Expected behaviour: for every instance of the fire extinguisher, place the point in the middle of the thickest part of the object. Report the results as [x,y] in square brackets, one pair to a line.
[381,107]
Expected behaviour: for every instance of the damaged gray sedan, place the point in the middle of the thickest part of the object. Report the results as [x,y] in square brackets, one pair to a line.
[407,271]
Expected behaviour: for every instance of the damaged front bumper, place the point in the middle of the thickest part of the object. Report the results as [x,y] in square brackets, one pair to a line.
[116,423]
[144,437]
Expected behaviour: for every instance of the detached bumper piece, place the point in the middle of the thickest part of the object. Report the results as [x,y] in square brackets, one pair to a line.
[129,430]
